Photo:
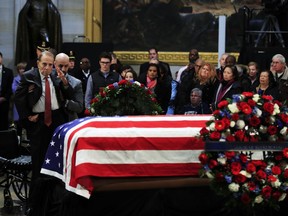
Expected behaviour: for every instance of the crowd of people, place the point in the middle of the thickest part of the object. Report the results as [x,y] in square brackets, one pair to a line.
[197,88]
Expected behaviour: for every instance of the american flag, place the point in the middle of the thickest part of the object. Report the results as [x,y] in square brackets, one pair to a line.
[133,146]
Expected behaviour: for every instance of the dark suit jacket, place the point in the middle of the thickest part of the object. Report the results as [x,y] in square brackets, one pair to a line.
[6,84]
[30,90]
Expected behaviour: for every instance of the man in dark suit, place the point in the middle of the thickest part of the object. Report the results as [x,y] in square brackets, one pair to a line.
[153,55]
[35,87]
[6,79]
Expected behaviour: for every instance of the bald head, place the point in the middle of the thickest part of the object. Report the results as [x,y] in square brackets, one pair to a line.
[62,61]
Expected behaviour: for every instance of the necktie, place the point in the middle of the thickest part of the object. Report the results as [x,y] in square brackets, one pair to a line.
[48,112]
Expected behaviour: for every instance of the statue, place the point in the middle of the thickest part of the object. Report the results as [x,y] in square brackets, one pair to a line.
[39,20]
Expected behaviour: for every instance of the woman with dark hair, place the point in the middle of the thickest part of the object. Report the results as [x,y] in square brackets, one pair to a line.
[158,84]
[228,86]
[267,85]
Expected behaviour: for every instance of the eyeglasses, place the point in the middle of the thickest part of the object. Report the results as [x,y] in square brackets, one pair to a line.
[104,62]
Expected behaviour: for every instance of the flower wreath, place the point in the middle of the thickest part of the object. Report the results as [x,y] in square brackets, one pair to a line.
[242,180]
[124,98]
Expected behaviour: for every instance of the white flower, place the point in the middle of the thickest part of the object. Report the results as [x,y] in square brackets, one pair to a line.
[233,108]
[282,197]
[276,109]
[233,187]
[209,174]
[222,160]
[258,199]
[273,138]
[240,124]
[256,97]
[244,173]
[212,126]
[232,124]
[258,112]
[283,131]
[272,119]
[262,129]
[276,184]
[137,83]
[92,110]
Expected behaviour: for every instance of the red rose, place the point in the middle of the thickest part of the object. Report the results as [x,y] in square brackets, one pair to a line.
[261,174]
[251,102]
[245,108]
[226,122]
[87,112]
[285,152]
[122,82]
[278,156]
[203,158]
[215,135]
[272,129]
[250,168]
[94,100]
[267,97]
[259,163]
[284,117]
[230,154]
[212,164]
[235,117]
[271,178]
[216,112]
[245,199]
[268,107]
[254,139]
[220,125]
[219,177]
[243,158]
[204,131]
[240,178]
[276,195]
[251,186]
[285,174]
[222,104]
[111,86]
[276,170]
[230,138]
[266,191]
[239,135]
[247,94]
[254,121]
[235,168]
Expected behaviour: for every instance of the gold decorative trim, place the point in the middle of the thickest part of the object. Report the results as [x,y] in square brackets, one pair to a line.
[173,58]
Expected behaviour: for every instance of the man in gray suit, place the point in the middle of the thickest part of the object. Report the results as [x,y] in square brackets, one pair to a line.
[74,101]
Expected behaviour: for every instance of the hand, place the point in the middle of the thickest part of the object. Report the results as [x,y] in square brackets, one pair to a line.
[33,118]
[61,76]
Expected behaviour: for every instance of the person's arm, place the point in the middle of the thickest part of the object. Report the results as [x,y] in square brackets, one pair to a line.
[89,92]
[76,103]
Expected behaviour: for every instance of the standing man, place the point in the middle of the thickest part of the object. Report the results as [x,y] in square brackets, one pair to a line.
[153,55]
[280,72]
[101,78]
[74,98]
[40,100]
[6,79]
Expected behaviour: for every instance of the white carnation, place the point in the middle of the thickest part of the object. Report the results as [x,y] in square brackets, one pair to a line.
[283,131]
[232,124]
[258,199]
[256,97]
[272,119]
[137,83]
[240,124]
[92,110]
[233,108]
[233,187]
[276,109]
[263,129]
[222,160]
[282,197]
[212,126]
[244,173]
[276,184]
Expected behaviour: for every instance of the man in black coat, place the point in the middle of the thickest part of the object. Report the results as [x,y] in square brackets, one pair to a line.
[6,79]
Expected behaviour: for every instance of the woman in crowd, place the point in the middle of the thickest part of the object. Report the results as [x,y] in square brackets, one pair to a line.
[160,85]
[228,86]
[206,81]
[267,85]
[130,75]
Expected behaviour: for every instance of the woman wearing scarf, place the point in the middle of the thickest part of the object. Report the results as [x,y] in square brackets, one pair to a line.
[159,83]
[228,86]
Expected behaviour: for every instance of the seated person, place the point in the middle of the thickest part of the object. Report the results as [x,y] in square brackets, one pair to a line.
[197,106]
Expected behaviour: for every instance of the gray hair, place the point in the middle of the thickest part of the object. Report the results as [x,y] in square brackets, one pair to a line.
[280,57]
[197,91]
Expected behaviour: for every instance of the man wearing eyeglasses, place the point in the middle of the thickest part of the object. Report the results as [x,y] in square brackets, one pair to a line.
[101,78]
